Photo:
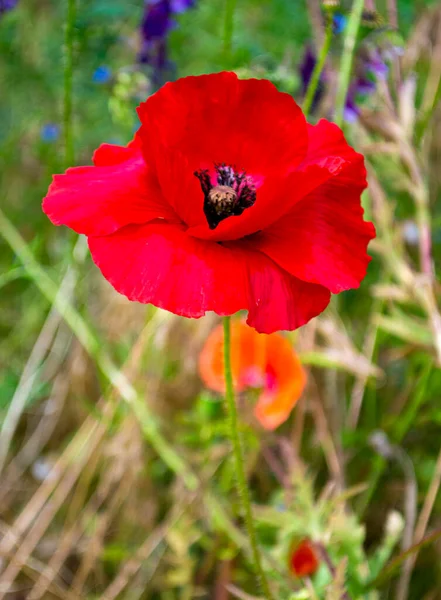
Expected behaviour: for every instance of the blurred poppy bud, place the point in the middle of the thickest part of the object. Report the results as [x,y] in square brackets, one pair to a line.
[304,559]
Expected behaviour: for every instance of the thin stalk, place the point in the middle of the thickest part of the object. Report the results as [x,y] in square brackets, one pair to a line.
[426,511]
[31,370]
[403,425]
[392,11]
[369,351]
[389,451]
[315,17]
[69,38]
[241,480]
[318,69]
[344,74]
[230,6]
[390,569]
[92,345]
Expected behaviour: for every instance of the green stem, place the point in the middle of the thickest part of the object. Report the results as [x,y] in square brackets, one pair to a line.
[69,37]
[344,74]
[241,480]
[427,114]
[318,69]
[230,6]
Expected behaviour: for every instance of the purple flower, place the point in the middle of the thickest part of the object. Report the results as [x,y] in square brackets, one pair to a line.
[156,24]
[370,68]
[157,20]
[375,65]
[306,69]
[6,5]
[360,88]
[179,6]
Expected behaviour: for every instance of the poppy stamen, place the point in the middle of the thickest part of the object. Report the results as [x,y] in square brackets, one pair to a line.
[222,198]
[232,192]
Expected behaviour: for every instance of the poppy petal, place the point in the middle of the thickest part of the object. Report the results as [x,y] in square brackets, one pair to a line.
[248,353]
[221,118]
[179,186]
[329,233]
[279,301]
[110,154]
[99,200]
[328,155]
[189,114]
[160,264]
[288,380]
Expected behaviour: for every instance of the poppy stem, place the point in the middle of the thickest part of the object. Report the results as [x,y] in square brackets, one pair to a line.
[241,480]
[318,69]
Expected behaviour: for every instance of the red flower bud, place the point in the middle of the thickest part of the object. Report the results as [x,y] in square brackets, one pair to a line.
[304,559]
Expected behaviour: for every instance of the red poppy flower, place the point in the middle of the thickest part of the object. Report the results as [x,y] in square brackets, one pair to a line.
[225,200]
[257,361]
[304,560]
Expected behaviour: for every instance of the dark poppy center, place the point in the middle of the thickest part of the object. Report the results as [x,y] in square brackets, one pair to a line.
[227,193]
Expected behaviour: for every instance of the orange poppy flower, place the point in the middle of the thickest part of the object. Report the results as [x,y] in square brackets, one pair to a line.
[304,560]
[257,361]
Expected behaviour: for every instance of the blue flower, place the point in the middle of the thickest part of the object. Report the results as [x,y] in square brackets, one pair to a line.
[102,74]
[6,5]
[50,132]
[339,23]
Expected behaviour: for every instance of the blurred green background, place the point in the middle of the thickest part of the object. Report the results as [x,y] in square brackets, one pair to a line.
[88,506]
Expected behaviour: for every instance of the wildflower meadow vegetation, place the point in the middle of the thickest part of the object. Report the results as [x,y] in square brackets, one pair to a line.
[220,374]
